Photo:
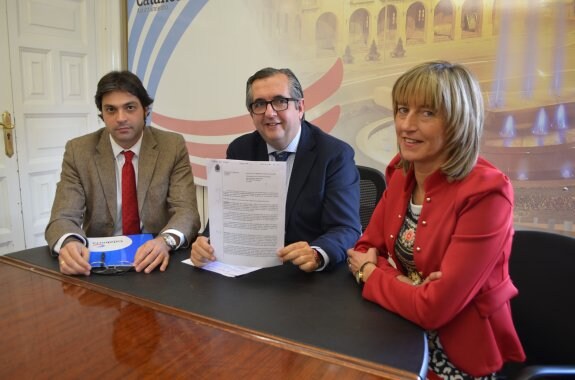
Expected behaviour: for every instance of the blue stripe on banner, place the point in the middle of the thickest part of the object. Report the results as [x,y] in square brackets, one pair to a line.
[135,32]
[185,18]
[158,23]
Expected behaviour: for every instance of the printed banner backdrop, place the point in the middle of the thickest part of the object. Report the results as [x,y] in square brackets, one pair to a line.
[194,56]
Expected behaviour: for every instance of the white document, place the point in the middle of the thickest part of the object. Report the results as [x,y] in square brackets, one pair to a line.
[246,201]
[224,269]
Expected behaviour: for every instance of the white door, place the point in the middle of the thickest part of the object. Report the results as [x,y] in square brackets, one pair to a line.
[49,71]
[11,222]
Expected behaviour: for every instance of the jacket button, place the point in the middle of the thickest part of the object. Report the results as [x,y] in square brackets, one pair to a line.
[418,249]
[391,236]
[428,199]
[424,222]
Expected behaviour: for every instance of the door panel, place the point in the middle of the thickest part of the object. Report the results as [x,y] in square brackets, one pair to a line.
[52,46]
[11,224]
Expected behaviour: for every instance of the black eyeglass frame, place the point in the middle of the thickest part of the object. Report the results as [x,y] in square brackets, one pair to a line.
[271,102]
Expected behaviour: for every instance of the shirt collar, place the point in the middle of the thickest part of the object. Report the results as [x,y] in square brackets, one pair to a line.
[292,146]
[117,149]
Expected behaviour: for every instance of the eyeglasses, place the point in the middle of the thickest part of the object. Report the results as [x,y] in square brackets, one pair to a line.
[259,107]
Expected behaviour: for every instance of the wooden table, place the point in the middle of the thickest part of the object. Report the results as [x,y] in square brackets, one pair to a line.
[276,323]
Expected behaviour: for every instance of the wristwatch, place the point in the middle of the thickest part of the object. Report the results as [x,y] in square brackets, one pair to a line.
[170,241]
[359,273]
[318,258]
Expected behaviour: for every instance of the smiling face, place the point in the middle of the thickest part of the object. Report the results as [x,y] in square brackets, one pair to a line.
[421,136]
[277,128]
[124,117]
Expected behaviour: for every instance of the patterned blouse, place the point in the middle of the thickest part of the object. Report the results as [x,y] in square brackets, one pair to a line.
[404,244]
[439,364]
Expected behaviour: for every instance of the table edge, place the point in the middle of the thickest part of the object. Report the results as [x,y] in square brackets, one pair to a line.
[283,343]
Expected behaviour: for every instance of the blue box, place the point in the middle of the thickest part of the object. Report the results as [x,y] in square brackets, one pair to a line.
[115,251]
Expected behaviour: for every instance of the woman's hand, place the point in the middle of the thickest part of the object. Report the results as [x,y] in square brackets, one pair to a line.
[356,259]
[433,276]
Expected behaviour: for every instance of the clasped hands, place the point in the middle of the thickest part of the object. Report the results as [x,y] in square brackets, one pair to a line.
[356,259]
[74,257]
[299,253]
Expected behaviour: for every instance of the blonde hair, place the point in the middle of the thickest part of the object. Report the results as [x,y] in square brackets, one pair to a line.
[450,89]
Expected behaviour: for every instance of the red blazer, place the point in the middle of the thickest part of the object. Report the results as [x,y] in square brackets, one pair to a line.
[465,231]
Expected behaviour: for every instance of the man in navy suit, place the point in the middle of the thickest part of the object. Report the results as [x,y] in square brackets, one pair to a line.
[322,205]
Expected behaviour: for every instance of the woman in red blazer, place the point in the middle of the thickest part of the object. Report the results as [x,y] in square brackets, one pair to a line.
[436,250]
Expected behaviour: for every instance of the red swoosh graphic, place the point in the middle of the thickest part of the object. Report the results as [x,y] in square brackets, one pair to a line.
[326,122]
[199,171]
[317,92]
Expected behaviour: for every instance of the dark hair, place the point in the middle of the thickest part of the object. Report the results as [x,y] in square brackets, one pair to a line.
[122,81]
[295,90]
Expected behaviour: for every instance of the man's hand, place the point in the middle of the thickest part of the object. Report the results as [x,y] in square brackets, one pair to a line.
[151,254]
[202,252]
[74,258]
[300,254]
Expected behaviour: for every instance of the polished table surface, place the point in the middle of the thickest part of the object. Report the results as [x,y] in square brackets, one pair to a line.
[278,323]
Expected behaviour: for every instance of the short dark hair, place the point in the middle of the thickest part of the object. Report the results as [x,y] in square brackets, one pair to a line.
[122,81]
[295,90]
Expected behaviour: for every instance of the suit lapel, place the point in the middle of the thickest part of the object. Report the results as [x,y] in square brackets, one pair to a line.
[261,150]
[304,161]
[105,164]
[146,164]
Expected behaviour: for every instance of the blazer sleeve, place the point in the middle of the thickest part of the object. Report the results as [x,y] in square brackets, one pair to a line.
[181,197]
[340,209]
[69,201]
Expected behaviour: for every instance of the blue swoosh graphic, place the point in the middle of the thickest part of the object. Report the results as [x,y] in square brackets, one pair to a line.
[185,18]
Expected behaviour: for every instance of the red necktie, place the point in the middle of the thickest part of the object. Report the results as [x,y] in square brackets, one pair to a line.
[130,218]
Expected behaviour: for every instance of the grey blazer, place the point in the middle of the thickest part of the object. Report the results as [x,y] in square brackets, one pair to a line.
[85,201]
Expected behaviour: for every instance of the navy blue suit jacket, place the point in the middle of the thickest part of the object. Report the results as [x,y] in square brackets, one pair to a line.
[322,205]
